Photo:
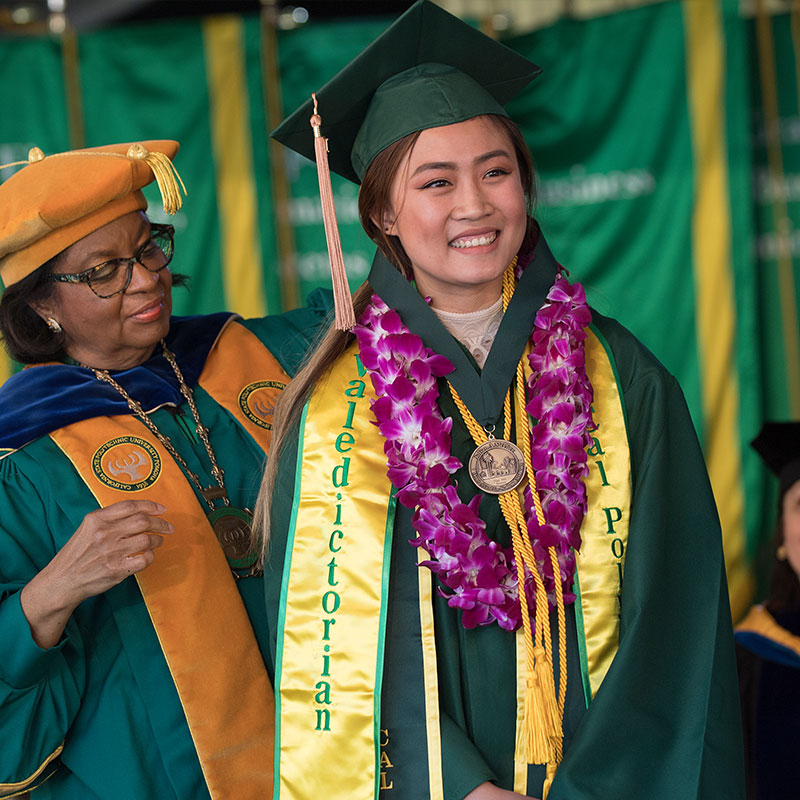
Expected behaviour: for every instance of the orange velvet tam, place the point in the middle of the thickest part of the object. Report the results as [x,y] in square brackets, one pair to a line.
[54,201]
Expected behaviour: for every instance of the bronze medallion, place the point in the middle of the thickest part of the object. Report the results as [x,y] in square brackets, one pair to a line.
[232,528]
[497,466]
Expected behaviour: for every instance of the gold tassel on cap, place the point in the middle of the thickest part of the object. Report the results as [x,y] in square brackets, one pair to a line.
[343,302]
[167,176]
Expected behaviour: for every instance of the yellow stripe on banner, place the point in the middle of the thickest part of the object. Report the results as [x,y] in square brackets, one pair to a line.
[233,156]
[714,293]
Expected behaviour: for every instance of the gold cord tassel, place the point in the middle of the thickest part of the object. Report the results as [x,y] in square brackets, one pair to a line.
[539,735]
[535,740]
[167,177]
[343,302]
[539,730]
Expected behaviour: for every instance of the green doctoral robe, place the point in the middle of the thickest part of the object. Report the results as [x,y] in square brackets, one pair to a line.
[664,724]
[105,689]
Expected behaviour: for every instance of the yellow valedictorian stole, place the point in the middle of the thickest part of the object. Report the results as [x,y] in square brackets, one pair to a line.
[332,621]
[189,590]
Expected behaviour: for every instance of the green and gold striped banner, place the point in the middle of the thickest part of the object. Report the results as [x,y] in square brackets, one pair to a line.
[644,184]
[236,190]
[714,292]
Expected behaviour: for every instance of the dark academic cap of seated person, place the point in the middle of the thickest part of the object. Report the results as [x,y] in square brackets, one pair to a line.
[427,69]
[778,444]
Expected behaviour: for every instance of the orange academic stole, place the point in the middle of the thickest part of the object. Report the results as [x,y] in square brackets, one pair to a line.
[244,377]
[230,712]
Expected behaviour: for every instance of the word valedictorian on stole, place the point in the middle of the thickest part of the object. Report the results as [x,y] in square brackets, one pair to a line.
[331,599]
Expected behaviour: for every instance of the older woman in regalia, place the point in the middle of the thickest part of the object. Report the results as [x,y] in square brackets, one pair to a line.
[131,609]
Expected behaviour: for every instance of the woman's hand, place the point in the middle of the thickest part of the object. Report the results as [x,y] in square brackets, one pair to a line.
[488,791]
[110,544]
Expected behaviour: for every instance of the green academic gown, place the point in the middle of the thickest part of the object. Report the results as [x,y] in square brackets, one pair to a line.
[105,689]
[664,724]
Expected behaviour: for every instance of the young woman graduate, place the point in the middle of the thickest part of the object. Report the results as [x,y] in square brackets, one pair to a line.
[130,668]
[478,431]
[768,638]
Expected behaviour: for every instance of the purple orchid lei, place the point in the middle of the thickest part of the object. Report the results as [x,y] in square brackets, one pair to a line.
[477,574]
[560,399]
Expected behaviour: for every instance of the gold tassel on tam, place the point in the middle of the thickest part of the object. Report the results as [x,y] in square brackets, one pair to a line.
[343,302]
[167,176]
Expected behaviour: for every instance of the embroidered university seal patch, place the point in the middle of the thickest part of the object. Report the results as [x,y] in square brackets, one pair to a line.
[257,401]
[127,463]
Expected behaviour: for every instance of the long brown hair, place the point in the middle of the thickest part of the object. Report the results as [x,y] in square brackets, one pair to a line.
[374,203]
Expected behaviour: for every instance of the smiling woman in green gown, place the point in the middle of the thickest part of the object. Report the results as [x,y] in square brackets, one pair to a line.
[481,430]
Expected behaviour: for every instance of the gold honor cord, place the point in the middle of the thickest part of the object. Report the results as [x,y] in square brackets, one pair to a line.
[539,733]
[523,442]
[600,563]
[539,738]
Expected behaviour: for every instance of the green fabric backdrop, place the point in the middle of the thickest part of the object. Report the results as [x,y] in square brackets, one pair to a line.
[614,136]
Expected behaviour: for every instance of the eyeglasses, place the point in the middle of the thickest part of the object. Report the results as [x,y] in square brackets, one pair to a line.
[114,276]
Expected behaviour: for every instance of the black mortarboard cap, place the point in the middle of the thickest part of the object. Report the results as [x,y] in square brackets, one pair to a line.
[427,69]
[778,444]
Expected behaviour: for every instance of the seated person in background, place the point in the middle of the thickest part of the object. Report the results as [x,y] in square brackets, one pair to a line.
[768,639]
